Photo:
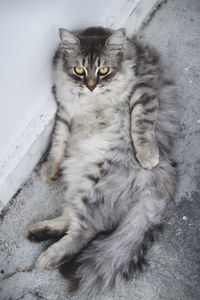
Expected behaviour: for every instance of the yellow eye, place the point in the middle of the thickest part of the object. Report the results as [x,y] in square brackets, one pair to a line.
[79,70]
[103,70]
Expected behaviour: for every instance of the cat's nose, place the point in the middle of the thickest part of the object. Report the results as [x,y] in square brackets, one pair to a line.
[91,87]
[91,84]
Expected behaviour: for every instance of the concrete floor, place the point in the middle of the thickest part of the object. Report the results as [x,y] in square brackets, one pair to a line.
[173,272]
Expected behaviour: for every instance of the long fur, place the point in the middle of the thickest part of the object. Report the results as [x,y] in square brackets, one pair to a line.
[114,205]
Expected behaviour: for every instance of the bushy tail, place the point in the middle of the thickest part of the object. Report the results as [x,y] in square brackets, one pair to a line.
[120,253]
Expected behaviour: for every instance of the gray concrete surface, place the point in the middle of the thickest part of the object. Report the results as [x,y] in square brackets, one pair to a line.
[173,273]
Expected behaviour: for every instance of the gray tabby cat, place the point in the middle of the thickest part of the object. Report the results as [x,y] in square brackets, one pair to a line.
[116,121]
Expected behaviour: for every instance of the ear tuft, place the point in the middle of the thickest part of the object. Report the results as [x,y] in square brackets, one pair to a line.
[115,42]
[69,41]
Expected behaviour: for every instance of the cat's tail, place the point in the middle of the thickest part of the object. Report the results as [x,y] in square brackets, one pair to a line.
[117,254]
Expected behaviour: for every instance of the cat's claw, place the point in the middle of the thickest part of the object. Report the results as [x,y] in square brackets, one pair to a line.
[148,158]
[49,171]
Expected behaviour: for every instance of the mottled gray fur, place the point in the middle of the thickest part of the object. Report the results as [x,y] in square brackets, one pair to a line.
[113,137]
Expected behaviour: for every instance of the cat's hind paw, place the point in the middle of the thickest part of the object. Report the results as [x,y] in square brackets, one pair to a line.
[33,233]
[50,258]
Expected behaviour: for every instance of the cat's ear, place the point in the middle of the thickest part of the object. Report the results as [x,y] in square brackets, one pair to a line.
[69,41]
[115,42]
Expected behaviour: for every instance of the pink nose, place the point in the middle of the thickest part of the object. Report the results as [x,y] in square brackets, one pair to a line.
[91,84]
[91,87]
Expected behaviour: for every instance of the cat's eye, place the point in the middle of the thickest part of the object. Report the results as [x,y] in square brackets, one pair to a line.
[103,70]
[79,70]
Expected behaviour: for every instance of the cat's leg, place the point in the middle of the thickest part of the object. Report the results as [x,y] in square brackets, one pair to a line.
[81,188]
[50,168]
[48,229]
[76,238]
[144,105]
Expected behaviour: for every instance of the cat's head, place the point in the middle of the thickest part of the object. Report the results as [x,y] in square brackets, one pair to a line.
[92,58]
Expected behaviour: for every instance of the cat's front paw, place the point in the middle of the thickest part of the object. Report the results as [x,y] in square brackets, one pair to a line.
[49,171]
[148,157]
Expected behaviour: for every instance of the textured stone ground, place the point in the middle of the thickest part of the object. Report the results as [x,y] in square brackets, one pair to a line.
[173,273]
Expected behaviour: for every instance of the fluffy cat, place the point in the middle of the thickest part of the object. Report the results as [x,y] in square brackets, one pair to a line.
[116,121]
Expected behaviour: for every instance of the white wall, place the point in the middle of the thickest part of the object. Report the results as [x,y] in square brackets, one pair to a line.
[28,39]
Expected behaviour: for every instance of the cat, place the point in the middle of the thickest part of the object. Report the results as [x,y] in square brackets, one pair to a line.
[115,125]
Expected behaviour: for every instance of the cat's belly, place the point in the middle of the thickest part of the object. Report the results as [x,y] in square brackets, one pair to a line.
[94,133]
[96,162]
[86,151]
[91,144]
[93,136]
